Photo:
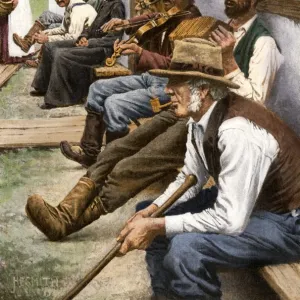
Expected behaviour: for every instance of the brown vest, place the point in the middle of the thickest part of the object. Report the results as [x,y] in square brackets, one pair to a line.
[280,192]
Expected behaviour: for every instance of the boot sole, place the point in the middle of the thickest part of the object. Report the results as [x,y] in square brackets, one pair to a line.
[69,157]
[36,224]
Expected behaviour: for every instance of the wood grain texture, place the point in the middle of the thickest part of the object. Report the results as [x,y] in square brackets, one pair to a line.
[7,71]
[40,132]
[44,132]
[285,8]
[284,279]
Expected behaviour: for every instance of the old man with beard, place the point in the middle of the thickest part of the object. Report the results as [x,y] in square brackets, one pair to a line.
[158,145]
[251,217]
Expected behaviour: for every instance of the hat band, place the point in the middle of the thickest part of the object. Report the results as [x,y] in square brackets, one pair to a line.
[196,67]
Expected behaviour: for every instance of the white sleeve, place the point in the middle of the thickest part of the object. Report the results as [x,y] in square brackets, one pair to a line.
[244,165]
[54,31]
[80,16]
[192,166]
[263,66]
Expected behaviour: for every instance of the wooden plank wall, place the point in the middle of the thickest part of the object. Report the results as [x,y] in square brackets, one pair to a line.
[285,8]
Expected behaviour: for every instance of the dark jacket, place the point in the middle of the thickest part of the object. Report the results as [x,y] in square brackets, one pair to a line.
[157,52]
[108,9]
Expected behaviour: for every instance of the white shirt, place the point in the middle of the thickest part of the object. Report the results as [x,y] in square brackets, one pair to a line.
[263,66]
[79,16]
[247,152]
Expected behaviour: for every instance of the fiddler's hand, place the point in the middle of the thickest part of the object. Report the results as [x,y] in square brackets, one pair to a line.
[83,42]
[139,234]
[115,24]
[226,40]
[41,37]
[144,213]
[128,49]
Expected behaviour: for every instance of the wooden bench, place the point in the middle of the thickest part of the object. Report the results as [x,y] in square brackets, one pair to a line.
[284,279]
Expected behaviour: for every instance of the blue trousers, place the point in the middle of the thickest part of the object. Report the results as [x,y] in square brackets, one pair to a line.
[185,265]
[125,98]
[50,19]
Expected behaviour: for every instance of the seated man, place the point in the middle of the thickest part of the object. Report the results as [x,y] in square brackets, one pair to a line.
[65,71]
[10,11]
[112,103]
[47,21]
[78,14]
[117,175]
[250,218]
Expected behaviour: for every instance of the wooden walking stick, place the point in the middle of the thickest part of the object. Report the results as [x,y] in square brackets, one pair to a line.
[190,180]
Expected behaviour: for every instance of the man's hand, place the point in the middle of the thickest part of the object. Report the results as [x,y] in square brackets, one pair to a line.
[128,49]
[139,234]
[115,24]
[144,213]
[41,37]
[226,41]
[83,42]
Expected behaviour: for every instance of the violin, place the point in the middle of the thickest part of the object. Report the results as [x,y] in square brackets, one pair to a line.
[136,37]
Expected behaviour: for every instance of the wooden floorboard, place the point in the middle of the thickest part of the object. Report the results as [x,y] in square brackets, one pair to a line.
[40,132]
[43,132]
[7,71]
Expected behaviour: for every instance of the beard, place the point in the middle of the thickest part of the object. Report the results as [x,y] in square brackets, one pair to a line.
[234,10]
[195,103]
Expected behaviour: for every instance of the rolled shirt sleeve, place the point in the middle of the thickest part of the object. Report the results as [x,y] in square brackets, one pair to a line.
[263,66]
[244,165]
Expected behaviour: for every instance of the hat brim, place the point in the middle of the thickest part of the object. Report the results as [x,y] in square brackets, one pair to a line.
[170,73]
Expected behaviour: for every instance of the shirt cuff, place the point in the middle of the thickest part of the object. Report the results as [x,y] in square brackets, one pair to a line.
[173,225]
[160,201]
[233,74]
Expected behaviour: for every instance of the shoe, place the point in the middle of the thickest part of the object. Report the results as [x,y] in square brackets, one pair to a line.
[37,93]
[76,153]
[47,106]
[28,40]
[58,222]
[32,63]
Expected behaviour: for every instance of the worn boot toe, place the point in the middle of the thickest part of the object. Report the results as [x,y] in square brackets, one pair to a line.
[22,43]
[76,154]
[44,217]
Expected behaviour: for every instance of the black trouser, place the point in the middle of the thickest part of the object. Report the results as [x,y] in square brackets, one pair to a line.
[130,164]
[66,72]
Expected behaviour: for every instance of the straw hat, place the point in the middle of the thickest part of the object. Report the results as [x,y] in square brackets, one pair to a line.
[196,57]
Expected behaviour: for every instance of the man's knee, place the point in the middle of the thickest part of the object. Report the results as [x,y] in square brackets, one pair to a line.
[124,169]
[185,249]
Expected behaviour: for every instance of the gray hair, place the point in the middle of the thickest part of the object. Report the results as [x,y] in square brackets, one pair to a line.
[217,90]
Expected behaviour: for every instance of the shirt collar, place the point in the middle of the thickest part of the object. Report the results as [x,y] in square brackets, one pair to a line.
[245,27]
[205,118]
[72,2]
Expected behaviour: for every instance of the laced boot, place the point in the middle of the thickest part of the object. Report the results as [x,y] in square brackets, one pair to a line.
[92,213]
[91,141]
[28,40]
[58,222]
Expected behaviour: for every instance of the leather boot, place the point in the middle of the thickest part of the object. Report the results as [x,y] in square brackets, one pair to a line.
[28,40]
[111,136]
[91,141]
[92,212]
[58,222]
